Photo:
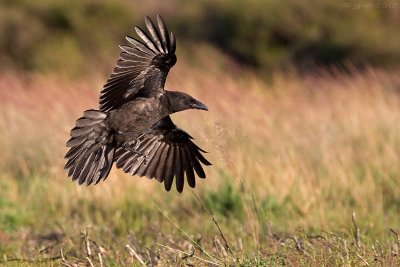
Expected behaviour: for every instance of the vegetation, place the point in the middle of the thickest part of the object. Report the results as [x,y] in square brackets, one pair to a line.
[293,158]
[77,36]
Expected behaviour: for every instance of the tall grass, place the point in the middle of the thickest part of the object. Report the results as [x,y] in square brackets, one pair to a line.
[291,152]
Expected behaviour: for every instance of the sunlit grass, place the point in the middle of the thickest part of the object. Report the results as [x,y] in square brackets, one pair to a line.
[293,156]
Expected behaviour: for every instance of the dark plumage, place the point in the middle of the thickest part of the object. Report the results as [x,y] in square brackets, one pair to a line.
[133,127]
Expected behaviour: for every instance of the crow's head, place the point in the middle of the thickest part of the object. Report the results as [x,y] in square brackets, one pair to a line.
[178,101]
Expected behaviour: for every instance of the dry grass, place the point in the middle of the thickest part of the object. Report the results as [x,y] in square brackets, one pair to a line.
[293,157]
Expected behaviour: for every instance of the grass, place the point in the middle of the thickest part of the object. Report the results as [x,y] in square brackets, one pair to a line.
[294,156]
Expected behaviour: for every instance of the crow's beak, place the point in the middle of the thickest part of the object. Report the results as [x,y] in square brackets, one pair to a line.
[198,105]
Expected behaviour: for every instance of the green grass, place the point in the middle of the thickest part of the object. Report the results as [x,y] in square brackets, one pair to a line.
[163,231]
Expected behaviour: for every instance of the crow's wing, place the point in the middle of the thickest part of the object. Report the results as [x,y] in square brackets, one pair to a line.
[164,152]
[91,153]
[142,67]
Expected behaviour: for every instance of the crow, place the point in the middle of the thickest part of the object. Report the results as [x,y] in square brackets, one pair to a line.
[132,126]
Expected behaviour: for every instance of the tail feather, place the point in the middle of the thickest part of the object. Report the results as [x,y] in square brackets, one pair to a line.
[91,153]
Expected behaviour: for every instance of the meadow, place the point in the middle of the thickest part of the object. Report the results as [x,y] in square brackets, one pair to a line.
[305,172]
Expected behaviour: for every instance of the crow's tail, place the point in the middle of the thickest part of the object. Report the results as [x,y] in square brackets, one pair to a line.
[91,153]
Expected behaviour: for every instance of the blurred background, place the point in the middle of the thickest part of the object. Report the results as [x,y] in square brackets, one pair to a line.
[303,132]
[75,36]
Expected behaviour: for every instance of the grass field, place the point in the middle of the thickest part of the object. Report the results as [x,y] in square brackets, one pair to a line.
[305,172]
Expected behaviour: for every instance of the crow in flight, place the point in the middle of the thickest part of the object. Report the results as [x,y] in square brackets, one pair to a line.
[133,127]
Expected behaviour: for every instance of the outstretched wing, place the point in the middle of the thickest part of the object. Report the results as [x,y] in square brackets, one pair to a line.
[142,67]
[91,153]
[163,153]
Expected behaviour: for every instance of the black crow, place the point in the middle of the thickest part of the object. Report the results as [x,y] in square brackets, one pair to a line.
[133,127]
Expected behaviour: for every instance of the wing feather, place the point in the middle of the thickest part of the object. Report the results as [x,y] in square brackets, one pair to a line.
[149,43]
[189,168]
[140,46]
[169,168]
[178,170]
[163,32]
[161,168]
[147,159]
[153,162]
[164,152]
[172,41]
[154,34]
